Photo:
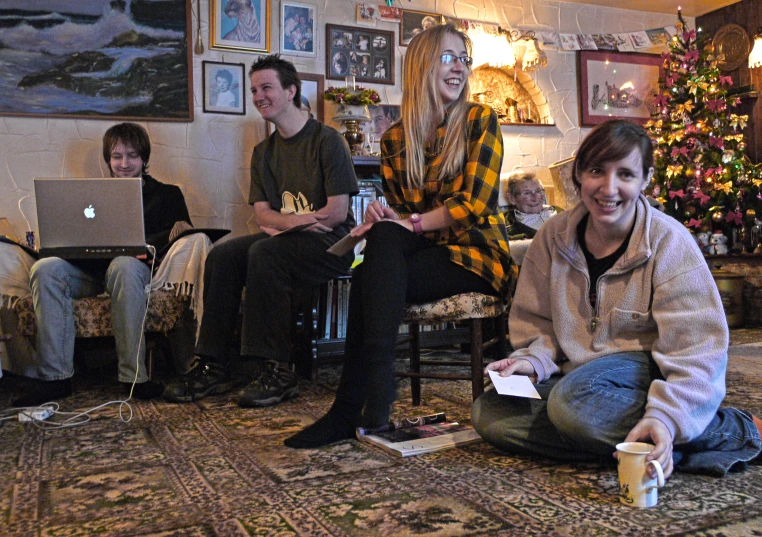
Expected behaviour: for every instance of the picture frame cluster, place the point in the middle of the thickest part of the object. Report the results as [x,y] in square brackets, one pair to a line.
[365,53]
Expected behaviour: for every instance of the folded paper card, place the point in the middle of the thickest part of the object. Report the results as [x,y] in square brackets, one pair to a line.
[517,385]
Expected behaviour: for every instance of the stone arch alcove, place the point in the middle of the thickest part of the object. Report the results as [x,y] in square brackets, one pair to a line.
[497,87]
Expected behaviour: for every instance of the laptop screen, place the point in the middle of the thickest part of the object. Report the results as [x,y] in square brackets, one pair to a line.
[90,217]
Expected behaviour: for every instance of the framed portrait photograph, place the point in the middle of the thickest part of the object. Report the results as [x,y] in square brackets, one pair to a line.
[224,87]
[414,22]
[239,25]
[298,24]
[381,118]
[312,95]
[619,85]
[365,53]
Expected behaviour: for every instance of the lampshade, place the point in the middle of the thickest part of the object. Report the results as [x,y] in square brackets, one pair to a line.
[519,47]
[503,53]
[491,48]
[755,57]
[534,57]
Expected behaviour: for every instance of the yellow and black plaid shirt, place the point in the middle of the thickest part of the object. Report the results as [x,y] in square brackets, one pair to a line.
[478,241]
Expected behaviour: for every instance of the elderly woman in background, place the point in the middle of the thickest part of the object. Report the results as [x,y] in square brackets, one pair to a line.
[527,211]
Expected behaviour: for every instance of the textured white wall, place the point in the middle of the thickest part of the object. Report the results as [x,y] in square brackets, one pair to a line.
[209,158]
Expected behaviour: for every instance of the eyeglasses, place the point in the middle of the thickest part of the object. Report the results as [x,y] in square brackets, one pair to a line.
[450,58]
[530,193]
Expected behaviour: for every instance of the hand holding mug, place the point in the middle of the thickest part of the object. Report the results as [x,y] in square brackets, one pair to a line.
[636,486]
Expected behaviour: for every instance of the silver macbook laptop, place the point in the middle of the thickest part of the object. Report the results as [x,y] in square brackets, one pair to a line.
[90,218]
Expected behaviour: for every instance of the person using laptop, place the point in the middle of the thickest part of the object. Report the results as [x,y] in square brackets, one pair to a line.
[301,175]
[56,282]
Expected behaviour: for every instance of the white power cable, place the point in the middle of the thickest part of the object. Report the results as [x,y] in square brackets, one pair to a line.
[34,414]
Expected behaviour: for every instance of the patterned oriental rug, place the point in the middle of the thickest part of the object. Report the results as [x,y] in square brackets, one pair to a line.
[213,469]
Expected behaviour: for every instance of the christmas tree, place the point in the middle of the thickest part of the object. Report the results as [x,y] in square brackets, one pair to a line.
[702,175]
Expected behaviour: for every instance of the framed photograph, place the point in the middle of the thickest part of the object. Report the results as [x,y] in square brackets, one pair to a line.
[239,25]
[414,22]
[85,77]
[618,85]
[366,14]
[365,53]
[381,118]
[312,95]
[298,24]
[224,87]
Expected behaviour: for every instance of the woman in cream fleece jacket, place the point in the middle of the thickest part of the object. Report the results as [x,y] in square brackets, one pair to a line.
[617,319]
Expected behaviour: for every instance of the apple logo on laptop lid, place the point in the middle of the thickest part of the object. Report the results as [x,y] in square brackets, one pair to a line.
[90,212]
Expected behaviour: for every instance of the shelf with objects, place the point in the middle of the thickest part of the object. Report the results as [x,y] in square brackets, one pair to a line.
[321,313]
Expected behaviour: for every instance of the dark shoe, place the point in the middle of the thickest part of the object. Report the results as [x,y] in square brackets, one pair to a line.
[271,386]
[144,391]
[204,378]
[44,391]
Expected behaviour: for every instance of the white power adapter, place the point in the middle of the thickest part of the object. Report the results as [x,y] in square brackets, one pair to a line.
[37,414]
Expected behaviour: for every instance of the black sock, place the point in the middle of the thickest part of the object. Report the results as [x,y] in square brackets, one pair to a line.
[329,429]
[382,392]
[44,391]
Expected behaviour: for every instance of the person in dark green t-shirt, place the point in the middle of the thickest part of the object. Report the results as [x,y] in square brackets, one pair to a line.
[301,175]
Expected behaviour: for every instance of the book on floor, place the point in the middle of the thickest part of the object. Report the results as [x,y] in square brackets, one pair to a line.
[415,436]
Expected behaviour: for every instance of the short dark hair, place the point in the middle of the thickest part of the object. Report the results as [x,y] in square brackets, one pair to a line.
[610,141]
[130,134]
[285,71]
[225,75]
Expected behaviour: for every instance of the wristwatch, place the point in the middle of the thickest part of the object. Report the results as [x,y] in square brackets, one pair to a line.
[415,219]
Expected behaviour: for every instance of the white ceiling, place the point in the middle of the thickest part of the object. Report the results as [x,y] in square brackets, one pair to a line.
[691,8]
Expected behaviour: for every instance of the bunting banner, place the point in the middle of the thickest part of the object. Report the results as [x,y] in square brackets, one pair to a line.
[622,42]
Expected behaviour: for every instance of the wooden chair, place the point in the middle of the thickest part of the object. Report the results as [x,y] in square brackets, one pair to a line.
[473,308]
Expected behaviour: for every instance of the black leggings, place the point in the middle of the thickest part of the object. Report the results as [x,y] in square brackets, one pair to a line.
[399,267]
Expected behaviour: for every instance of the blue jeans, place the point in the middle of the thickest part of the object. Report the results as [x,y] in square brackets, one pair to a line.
[56,283]
[583,415]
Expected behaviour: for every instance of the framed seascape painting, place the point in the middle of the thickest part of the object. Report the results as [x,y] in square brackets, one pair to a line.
[298,24]
[620,85]
[414,22]
[96,59]
[312,95]
[224,85]
[365,53]
[239,25]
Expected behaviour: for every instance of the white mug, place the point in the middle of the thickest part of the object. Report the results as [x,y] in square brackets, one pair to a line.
[636,487]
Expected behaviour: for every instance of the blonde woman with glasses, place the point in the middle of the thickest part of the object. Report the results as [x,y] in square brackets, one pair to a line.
[441,235]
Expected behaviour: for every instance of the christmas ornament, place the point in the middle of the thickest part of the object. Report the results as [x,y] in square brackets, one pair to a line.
[751,214]
[741,146]
[718,217]
[727,156]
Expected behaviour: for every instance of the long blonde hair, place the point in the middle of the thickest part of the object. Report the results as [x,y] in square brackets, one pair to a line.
[421,99]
